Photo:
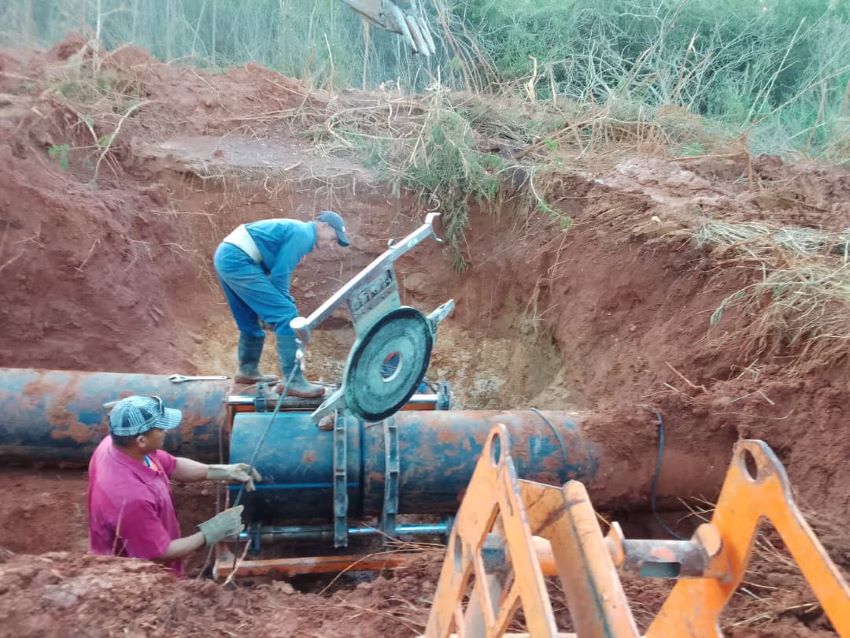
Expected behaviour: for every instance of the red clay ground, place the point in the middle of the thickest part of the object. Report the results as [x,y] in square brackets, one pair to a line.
[610,317]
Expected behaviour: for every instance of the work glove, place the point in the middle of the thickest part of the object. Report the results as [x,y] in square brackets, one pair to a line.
[234,473]
[223,525]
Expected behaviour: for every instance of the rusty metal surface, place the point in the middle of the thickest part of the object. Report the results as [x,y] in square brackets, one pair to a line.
[54,417]
[438,451]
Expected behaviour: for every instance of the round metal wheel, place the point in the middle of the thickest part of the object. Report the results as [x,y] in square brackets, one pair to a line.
[387,364]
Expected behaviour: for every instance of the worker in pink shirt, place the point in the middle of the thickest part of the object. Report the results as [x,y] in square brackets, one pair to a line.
[131,509]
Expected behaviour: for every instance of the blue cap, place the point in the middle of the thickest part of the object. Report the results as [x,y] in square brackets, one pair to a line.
[334,220]
[136,415]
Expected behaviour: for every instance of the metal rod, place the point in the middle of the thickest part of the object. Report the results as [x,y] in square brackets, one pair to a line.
[289,403]
[272,533]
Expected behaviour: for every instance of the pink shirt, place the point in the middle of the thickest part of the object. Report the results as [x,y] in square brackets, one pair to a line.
[131,509]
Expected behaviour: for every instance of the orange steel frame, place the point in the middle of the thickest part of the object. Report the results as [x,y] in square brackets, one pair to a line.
[549,530]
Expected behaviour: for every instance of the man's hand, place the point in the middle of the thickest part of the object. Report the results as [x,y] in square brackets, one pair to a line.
[223,525]
[234,473]
[399,16]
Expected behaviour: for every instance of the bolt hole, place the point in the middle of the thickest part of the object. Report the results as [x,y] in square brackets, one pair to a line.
[751,466]
[458,553]
[391,366]
[496,449]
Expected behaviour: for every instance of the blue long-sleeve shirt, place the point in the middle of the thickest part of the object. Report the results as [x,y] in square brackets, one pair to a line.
[283,243]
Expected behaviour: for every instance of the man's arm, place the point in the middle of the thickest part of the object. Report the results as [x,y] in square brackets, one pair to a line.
[144,535]
[180,547]
[223,525]
[189,471]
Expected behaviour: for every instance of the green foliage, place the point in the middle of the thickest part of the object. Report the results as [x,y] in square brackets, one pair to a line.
[446,168]
[744,63]
[320,40]
[59,152]
[776,69]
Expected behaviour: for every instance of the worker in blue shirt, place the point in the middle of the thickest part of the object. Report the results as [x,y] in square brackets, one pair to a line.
[254,265]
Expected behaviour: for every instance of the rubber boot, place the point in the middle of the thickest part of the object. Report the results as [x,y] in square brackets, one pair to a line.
[250,349]
[299,386]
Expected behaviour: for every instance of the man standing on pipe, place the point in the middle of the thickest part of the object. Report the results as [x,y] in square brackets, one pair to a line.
[254,265]
[131,509]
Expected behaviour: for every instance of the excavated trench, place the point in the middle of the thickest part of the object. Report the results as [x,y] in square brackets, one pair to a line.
[609,319]
[494,359]
[518,339]
[499,350]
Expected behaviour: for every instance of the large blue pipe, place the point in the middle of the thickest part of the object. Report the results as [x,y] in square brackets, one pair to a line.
[437,455]
[57,417]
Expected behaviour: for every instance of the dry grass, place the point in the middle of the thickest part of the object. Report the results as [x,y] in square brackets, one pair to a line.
[761,242]
[454,149]
[91,103]
[799,305]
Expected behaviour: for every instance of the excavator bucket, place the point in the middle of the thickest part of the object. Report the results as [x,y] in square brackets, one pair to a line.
[510,533]
[404,17]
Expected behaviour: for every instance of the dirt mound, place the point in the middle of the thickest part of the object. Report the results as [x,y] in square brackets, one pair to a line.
[63,594]
[89,256]
[69,594]
[628,294]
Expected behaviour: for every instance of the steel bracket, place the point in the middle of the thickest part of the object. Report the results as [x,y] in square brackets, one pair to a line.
[444,396]
[340,451]
[391,474]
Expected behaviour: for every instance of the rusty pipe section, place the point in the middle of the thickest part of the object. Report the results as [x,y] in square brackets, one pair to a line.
[437,452]
[54,417]
[50,417]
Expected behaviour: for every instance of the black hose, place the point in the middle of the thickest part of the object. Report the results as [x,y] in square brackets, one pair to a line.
[652,489]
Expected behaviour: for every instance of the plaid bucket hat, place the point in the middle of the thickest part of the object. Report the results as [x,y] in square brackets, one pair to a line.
[136,415]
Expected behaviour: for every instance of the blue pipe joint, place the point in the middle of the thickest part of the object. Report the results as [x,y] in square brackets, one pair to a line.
[437,455]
